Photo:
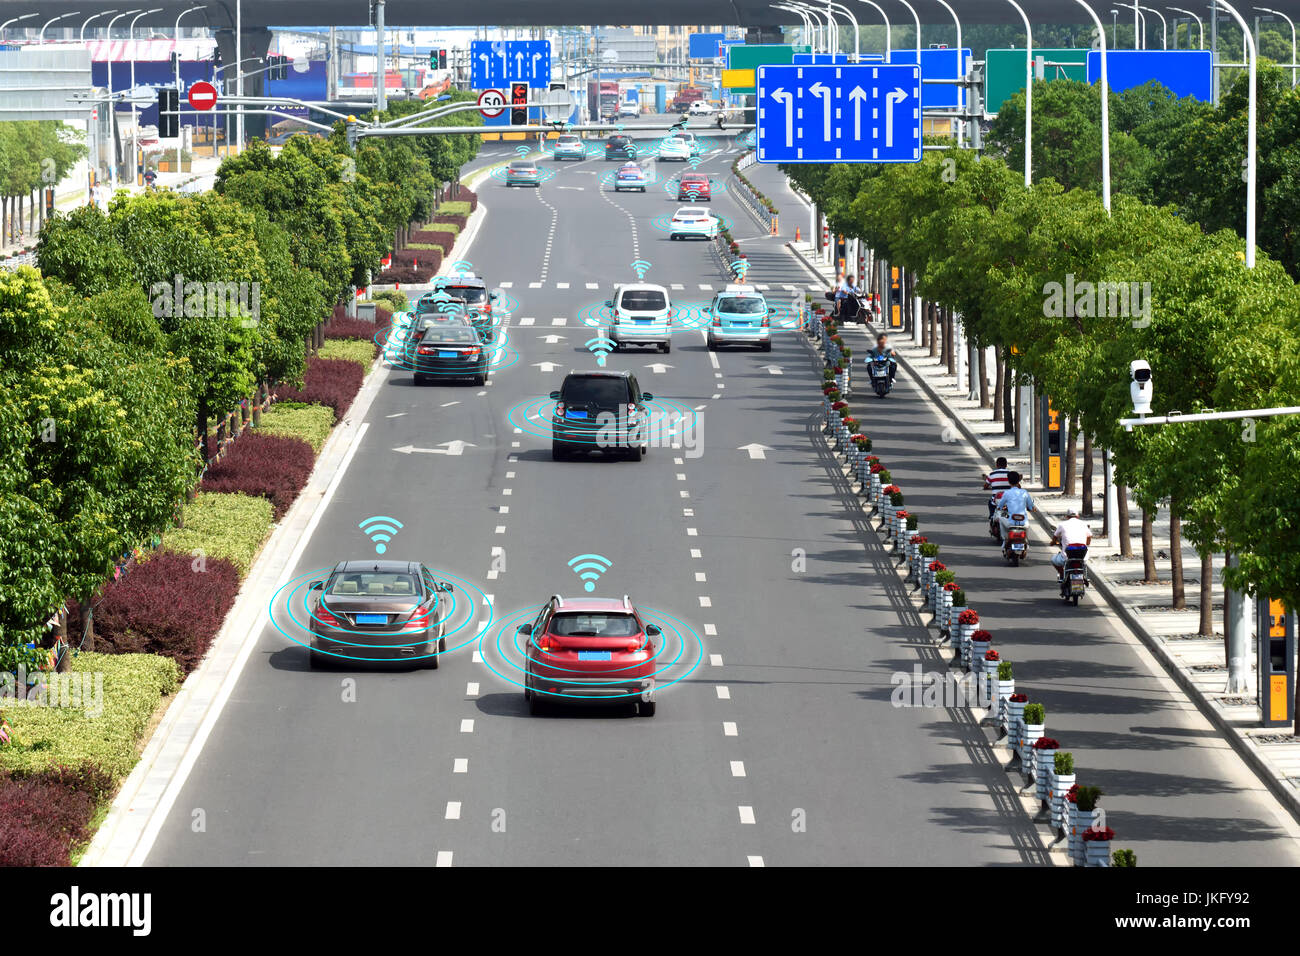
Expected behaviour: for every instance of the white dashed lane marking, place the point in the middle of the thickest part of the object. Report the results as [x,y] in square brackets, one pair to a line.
[729,728]
[737,768]
[444,858]
[746,814]
[453,810]
[467,725]
[460,765]
[724,692]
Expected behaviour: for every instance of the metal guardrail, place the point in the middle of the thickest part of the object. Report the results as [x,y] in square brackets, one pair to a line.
[749,197]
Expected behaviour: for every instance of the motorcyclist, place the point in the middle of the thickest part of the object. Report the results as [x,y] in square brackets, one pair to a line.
[1014,501]
[996,482]
[844,290]
[882,350]
[1072,530]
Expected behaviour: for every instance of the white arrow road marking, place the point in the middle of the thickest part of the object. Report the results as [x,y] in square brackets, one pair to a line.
[858,94]
[891,99]
[774,369]
[455,447]
[547,366]
[781,96]
[825,93]
[550,339]
[755,450]
[658,367]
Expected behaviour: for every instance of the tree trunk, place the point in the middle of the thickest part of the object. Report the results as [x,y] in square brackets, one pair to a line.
[1122,525]
[1071,453]
[949,334]
[1149,574]
[87,642]
[984,401]
[999,393]
[1086,510]
[1009,408]
[1206,602]
[1176,555]
[932,330]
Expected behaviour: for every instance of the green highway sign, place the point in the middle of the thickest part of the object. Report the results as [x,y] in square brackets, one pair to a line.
[1004,71]
[752,56]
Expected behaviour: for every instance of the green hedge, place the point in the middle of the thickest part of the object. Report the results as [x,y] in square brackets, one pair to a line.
[46,737]
[452,209]
[421,246]
[354,350]
[223,526]
[311,423]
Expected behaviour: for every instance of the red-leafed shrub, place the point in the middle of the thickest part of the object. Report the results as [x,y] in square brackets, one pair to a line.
[43,815]
[968,616]
[1018,698]
[468,195]
[431,234]
[269,466]
[410,275]
[342,327]
[1047,743]
[167,607]
[1092,833]
[332,382]
[981,635]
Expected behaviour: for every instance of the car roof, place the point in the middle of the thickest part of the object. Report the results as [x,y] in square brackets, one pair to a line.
[599,373]
[640,287]
[692,209]
[603,605]
[733,288]
[694,175]
[384,567]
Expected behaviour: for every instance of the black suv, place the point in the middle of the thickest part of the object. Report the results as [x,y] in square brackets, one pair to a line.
[600,411]
[620,147]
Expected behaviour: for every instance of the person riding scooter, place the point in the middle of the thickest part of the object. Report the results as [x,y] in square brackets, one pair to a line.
[1070,532]
[996,482]
[882,350]
[1014,501]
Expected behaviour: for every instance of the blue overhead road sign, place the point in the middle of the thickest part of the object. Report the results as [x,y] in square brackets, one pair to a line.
[839,114]
[936,64]
[807,59]
[1185,72]
[498,63]
[704,46]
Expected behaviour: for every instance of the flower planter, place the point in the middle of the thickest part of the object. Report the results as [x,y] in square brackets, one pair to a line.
[1012,717]
[1096,846]
[1080,822]
[949,621]
[1003,690]
[973,655]
[1044,759]
[1059,785]
[1029,734]
[873,494]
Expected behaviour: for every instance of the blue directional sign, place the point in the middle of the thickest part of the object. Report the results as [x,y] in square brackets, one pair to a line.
[704,46]
[1185,72]
[937,64]
[808,59]
[862,113]
[495,64]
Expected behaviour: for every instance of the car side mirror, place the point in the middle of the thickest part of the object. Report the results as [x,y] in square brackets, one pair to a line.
[771,311]
[316,586]
[524,629]
[706,311]
[492,295]
[647,397]
[653,630]
[555,396]
[609,303]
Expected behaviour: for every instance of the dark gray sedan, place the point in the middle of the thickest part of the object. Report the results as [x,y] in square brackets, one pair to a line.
[378,612]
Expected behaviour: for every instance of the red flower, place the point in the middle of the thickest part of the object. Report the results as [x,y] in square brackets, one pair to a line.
[890,490]
[873,459]
[918,539]
[937,566]
[1073,794]
[990,655]
[877,468]
[840,404]
[952,586]
[1018,698]
[901,513]
[981,635]
[968,616]
[1104,835]
[1047,743]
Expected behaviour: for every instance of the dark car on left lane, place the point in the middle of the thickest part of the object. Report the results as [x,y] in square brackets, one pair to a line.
[378,612]
[446,350]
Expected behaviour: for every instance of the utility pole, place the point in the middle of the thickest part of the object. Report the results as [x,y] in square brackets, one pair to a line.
[381,61]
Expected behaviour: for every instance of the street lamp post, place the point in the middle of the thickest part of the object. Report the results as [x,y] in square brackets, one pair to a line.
[41,36]
[25,16]
[961,73]
[135,123]
[1200,26]
[112,104]
[833,34]
[94,16]
[889,41]
[807,21]
[857,40]
[1105,109]
[176,37]
[1029,94]
[1291,24]
[1164,27]
[1114,28]
[917,20]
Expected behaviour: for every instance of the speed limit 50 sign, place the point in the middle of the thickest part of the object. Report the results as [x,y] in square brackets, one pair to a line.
[491,103]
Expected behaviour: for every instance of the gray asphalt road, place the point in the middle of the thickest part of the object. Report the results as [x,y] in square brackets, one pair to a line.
[777,742]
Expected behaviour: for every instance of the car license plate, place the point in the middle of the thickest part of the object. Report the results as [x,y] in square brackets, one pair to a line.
[372,618]
[644,321]
[448,354]
[575,414]
[593,655]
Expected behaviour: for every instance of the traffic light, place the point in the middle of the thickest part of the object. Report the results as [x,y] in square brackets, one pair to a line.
[518,104]
[176,63]
[442,59]
[433,59]
[169,101]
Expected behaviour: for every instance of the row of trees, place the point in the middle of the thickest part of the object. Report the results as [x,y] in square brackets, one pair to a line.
[114,356]
[1216,334]
[34,155]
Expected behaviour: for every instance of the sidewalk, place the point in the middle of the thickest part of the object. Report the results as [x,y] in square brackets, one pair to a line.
[1195,663]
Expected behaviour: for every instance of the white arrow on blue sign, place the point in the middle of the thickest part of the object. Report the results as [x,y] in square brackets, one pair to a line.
[498,63]
[839,114]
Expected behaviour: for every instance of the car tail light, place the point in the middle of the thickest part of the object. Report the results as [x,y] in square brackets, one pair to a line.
[426,350]
[767,321]
[474,351]
[717,323]
[548,642]
[418,622]
[559,408]
[325,617]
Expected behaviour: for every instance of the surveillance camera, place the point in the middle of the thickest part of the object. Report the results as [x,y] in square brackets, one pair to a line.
[1140,387]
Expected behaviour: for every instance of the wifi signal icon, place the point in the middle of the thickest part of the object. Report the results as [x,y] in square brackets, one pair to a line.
[589,568]
[461,266]
[692,192]
[640,267]
[522,151]
[600,347]
[380,529]
[449,308]
[694,161]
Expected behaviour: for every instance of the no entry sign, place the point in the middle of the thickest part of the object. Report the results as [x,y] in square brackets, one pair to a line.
[203,95]
[491,103]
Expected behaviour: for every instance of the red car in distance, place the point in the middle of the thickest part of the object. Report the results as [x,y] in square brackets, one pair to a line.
[589,650]
[694,187]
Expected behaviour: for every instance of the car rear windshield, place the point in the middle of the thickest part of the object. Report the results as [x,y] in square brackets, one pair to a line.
[617,141]
[568,141]
[749,305]
[522,166]
[643,300]
[603,391]
[381,583]
[579,624]
[445,306]
[469,293]
[451,333]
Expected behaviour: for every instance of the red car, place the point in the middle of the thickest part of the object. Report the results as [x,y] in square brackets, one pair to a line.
[694,187]
[590,650]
